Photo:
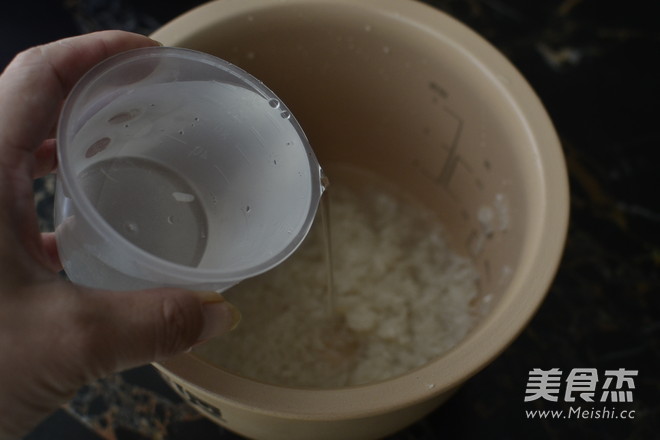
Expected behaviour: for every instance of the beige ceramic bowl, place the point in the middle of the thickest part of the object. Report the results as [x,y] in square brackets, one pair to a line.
[402,89]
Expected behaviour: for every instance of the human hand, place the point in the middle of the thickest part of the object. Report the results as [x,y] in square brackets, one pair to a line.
[56,336]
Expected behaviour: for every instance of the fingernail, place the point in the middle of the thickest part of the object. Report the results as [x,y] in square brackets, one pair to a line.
[157,42]
[220,316]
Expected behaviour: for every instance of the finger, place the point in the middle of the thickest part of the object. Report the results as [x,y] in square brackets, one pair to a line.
[37,80]
[50,249]
[72,335]
[32,88]
[134,328]
[45,159]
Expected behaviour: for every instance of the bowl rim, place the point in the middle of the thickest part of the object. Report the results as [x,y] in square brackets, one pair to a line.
[509,315]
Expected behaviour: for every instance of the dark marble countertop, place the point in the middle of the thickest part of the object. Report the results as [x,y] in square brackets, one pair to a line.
[594,65]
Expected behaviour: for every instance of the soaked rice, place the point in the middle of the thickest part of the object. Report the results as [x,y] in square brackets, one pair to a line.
[402,298]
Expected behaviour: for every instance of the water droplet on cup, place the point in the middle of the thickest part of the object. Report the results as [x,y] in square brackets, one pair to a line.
[325,181]
[285,115]
[170,219]
[131,227]
[274,103]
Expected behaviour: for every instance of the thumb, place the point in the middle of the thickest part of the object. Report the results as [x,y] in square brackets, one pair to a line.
[134,328]
[70,335]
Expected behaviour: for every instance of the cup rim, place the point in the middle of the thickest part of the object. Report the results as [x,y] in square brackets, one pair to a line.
[509,315]
[156,265]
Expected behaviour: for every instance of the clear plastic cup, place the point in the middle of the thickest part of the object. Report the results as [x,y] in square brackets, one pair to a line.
[178,168]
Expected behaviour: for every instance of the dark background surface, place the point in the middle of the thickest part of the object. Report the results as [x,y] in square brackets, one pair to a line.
[594,65]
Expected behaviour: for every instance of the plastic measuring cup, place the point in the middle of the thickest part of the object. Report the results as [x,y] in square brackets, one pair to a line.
[178,168]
